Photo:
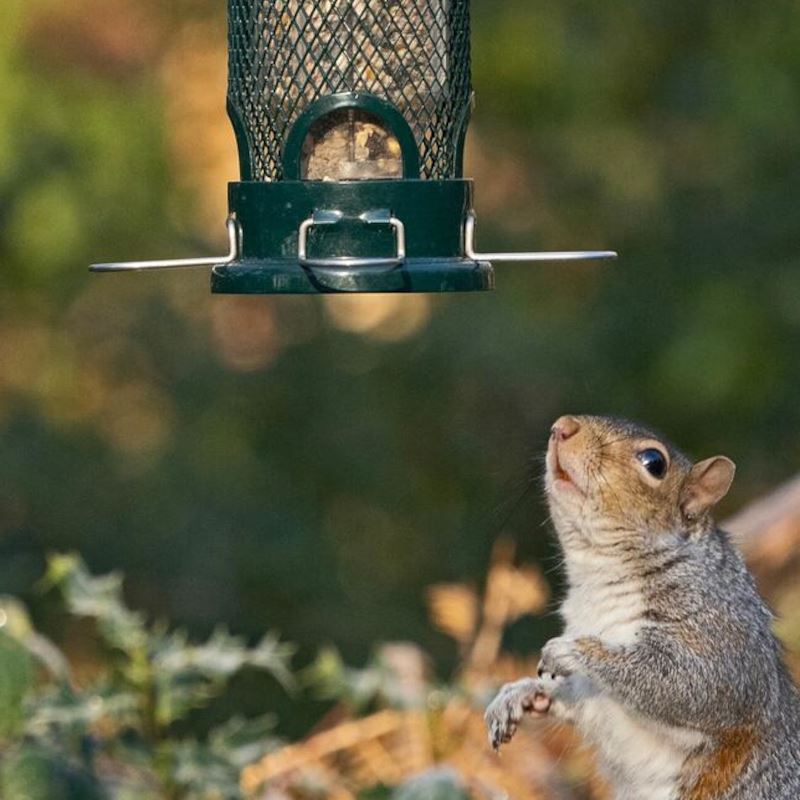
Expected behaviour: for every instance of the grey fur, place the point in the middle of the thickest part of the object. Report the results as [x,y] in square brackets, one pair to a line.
[703,665]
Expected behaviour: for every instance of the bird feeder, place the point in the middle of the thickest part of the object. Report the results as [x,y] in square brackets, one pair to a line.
[350,118]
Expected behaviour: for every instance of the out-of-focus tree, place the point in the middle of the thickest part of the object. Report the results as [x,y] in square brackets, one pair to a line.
[320,461]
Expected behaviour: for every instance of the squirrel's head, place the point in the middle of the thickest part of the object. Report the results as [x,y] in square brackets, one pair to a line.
[608,478]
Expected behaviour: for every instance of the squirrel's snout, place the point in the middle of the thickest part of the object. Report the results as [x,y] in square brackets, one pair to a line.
[564,428]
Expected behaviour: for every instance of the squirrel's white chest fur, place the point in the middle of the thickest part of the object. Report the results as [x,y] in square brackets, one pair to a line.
[642,758]
[613,613]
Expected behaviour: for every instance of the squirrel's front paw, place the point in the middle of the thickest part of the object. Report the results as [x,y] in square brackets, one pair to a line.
[559,658]
[514,700]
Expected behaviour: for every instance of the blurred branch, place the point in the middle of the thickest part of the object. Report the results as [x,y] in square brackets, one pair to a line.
[768,531]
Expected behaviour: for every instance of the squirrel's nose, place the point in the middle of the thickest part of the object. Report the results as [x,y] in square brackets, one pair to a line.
[564,428]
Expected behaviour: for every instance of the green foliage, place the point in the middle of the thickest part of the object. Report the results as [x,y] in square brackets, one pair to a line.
[438,785]
[15,680]
[115,736]
[100,599]
[383,682]
[260,454]
[32,772]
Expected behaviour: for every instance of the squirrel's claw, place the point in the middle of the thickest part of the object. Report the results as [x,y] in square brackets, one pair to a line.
[513,701]
[559,658]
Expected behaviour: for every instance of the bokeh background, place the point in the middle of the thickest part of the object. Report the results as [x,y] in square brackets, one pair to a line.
[312,464]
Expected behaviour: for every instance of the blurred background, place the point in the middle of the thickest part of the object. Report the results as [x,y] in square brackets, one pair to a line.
[312,464]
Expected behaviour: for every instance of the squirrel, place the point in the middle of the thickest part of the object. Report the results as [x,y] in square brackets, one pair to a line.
[667,665]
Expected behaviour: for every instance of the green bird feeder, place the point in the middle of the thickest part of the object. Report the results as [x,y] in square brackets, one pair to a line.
[350,118]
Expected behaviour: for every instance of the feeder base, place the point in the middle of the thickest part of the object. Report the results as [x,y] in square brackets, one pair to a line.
[286,276]
[309,237]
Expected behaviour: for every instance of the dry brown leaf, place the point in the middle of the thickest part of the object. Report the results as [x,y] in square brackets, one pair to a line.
[453,610]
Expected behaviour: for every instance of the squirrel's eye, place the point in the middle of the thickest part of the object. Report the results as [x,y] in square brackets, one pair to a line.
[654,461]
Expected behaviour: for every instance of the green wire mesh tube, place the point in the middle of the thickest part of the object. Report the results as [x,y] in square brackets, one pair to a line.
[287,54]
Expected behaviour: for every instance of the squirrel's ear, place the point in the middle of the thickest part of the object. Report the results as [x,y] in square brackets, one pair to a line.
[706,484]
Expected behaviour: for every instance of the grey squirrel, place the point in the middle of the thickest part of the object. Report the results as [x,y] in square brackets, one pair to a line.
[667,663]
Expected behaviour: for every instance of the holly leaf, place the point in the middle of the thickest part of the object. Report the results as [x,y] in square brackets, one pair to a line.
[242,741]
[188,675]
[97,597]
[15,680]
